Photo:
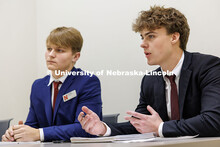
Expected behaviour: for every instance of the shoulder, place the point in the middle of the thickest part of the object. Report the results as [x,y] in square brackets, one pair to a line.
[85,75]
[84,78]
[199,59]
[205,68]
[40,82]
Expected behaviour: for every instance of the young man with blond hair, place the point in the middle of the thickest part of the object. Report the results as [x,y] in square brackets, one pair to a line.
[56,99]
[186,103]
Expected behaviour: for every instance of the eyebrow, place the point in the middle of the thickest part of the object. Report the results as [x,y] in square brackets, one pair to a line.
[148,33]
[55,47]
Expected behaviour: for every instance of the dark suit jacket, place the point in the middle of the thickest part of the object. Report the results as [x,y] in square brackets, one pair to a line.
[63,124]
[199,99]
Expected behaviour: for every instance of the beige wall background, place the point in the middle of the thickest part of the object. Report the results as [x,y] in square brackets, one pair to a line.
[109,44]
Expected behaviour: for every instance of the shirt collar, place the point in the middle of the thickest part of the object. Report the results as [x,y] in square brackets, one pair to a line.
[178,67]
[52,79]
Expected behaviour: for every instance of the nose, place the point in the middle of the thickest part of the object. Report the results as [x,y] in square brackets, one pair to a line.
[52,53]
[144,45]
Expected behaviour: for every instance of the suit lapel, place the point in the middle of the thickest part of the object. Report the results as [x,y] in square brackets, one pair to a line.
[184,80]
[47,99]
[62,91]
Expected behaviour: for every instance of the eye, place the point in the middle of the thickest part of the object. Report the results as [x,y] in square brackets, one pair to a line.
[49,49]
[60,50]
[151,36]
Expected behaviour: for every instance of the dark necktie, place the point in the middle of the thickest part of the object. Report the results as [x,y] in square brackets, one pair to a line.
[55,87]
[175,115]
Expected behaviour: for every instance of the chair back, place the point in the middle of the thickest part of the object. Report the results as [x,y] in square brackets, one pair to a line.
[110,118]
[4,124]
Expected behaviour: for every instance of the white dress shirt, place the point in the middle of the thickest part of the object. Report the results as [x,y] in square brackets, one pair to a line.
[52,79]
[175,71]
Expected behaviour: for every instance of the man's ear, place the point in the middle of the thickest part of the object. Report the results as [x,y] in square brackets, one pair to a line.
[75,57]
[175,37]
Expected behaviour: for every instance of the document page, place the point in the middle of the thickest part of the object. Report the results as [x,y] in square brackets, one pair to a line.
[145,136]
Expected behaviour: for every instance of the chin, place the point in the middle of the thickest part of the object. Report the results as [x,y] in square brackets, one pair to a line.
[150,63]
[51,68]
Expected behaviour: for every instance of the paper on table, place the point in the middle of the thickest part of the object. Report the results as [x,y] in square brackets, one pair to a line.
[134,137]
[145,136]
[174,138]
[90,140]
[157,139]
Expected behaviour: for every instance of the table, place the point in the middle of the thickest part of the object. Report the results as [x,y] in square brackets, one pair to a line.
[195,142]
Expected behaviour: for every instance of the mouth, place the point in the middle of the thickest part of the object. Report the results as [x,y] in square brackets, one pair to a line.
[147,54]
[51,62]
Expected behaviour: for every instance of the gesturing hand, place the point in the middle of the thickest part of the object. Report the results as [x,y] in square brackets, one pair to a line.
[145,123]
[91,122]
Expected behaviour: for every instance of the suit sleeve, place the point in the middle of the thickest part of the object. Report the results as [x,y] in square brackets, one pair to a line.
[208,122]
[90,97]
[31,118]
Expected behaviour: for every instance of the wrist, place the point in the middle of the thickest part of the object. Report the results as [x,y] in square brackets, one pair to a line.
[37,135]
[104,129]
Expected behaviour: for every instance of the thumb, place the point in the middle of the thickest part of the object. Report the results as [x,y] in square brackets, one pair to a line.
[151,110]
[20,122]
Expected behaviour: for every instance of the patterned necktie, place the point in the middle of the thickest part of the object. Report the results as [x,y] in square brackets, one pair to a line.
[175,115]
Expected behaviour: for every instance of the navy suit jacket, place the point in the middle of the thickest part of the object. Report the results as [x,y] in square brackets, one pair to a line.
[199,99]
[63,124]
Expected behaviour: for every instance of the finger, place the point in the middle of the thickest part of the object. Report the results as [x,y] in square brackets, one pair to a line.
[132,120]
[8,136]
[17,137]
[10,130]
[135,124]
[80,117]
[88,125]
[15,127]
[84,121]
[20,122]
[5,139]
[87,110]
[18,131]
[151,110]
[136,114]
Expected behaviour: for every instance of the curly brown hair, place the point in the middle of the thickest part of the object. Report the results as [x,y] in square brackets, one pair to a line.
[66,37]
[170,18]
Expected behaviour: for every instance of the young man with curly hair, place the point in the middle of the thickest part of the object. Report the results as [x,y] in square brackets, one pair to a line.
[185,103]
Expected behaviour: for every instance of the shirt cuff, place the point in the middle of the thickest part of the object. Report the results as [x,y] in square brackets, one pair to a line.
[160,129]
[108,131]
[41,134]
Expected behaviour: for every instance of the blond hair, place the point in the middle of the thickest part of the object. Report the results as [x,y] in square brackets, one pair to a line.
[66,37]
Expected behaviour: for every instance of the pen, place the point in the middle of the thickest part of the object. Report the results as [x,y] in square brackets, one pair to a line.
[135,117]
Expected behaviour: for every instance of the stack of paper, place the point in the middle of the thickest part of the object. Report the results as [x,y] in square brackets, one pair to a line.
[131,137]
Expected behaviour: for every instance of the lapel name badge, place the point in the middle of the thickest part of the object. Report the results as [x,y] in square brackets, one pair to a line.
[69,96]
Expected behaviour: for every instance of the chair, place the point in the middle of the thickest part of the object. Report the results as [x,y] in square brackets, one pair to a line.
[110,118]
[4,124]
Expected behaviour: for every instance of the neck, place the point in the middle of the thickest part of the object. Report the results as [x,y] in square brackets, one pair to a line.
[172,60]
[57,76]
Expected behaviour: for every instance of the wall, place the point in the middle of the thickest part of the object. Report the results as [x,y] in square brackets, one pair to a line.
[18,60]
